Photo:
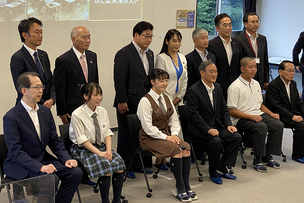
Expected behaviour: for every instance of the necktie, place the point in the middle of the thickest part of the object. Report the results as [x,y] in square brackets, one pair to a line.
[84,68]
[161,105]
[38,64]
[97,129]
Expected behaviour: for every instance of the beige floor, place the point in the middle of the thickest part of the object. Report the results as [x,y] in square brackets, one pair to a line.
[278,185]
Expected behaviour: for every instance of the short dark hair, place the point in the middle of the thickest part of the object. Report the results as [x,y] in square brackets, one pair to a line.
[142,26]
[88,89]
[219,17]
[282,64]
[23,80]
[24,26]
[156,73]
[204,64]
[168,37]
[245,18]
[244,61]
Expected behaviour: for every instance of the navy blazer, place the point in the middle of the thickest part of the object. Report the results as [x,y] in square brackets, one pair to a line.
[193,62]
[67,75]
[298,47]
[278,102]
[22,62]
[226,74]
[130,76]
[262,75]
[25,150]
[202,116]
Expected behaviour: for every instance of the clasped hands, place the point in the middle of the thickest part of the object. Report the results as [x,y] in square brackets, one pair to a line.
[174,138]
[106,154]
[50,168]
[215,132]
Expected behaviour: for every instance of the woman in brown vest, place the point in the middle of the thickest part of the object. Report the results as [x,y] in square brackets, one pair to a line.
[160,127]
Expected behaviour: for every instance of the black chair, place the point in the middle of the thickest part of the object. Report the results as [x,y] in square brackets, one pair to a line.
[134,128]
[183,117]
[64,135]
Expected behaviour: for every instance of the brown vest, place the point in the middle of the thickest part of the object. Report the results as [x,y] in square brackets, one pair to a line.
[159,119]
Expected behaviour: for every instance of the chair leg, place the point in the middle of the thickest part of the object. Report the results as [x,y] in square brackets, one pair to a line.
[158,169]
[244,162]
[148,186]
[8,193]
[78,194]
[284,156]
[131,163]
[200,179]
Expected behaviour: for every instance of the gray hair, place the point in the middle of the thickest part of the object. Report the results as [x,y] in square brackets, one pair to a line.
[197,32]
[204,64]
[75,30]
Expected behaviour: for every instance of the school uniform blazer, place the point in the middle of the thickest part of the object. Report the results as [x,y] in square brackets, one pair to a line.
[277,100]
[25,150]
[130,76]
[67,75]
[193,62]
[226,73]
[202,116]
[22,62]
[262,75]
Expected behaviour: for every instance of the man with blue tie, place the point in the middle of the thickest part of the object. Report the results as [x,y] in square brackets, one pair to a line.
[28,128]
[29,58]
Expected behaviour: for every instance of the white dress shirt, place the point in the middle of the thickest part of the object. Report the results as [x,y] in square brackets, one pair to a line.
[143,56]
[210,92]
[253,41]
[144,113]
[34,116]
[31,51]
[78,54]
[82,125]
[287,86]
[202,54]
[228,49]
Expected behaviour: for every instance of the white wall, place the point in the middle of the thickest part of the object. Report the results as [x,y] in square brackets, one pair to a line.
[281,22]
[107,39]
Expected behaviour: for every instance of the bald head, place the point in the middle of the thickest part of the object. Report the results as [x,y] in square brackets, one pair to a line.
[81,38]
[245,61]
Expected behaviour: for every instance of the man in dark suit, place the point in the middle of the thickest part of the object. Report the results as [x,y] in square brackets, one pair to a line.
[74,67]
[29,58]
[297,49]
[132,64]
[282,97]
[28,128]
[255,45]
[209,121]
[197,56]
[227,51]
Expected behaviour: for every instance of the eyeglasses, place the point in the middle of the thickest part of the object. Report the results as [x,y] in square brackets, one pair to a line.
[290,70]
[38,87]
[148,36]
[254,21]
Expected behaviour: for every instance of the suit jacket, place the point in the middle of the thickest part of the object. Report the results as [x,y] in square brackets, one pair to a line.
[22,62]
[193,62]
[262,75]
[277,100]
[202,116]
[130,76]
[67,75]
[25,150]
[226,74]
[298,47]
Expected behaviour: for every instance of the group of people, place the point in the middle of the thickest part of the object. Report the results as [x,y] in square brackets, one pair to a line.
[220,82]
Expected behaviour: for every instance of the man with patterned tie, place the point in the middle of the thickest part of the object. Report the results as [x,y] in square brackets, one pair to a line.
[31,59]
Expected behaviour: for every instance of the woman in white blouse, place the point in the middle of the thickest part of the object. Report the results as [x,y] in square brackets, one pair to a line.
[90,132]
[175,63]
[159,133]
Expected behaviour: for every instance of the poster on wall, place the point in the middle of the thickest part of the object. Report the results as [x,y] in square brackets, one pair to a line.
[185,19]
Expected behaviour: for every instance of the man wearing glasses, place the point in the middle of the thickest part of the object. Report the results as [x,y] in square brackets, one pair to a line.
[255,45]
[282,97]
[29,58]
[132,64]
[28,129]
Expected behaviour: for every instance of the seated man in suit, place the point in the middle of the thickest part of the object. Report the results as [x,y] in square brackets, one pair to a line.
[198,55]
[28,128]
[245,104]
[209,121]
[282,97]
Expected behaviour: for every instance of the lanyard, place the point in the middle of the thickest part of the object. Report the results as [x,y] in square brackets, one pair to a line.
[179,71]
[251,44]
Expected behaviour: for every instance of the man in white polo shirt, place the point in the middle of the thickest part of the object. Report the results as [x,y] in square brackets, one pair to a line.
[245,104]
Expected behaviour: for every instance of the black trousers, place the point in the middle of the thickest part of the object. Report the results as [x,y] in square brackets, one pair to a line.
[298,139]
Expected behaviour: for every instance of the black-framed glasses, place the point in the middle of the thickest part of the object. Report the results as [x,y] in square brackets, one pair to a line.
[38,87]
[148,36]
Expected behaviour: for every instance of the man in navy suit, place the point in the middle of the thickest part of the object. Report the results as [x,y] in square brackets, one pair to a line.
[297,49]
[197,56]
[29,58]
[132,64]
[282,97]
[28,128]
[227,51]
[209,121]
[74,67]
[255,45]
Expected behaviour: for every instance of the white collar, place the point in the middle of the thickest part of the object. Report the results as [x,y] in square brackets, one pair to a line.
[89,111]
[202,53]
[209,89]
[139,49]
[245,81]
[78,53]
[155,96]
[286,84]
[224,41]
[251,36]
[30,50]
[28,108]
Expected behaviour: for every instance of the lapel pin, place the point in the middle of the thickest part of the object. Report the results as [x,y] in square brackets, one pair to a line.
[91,61]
